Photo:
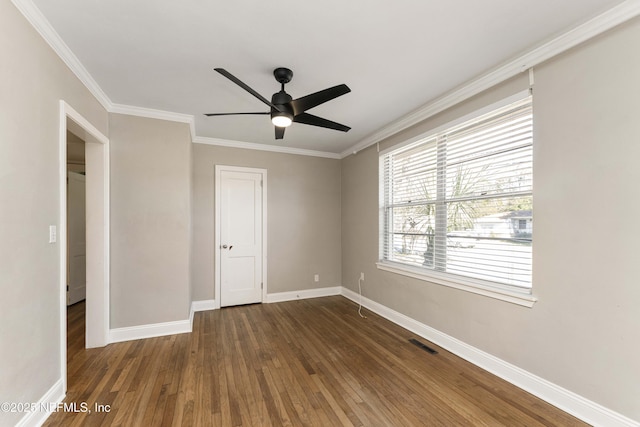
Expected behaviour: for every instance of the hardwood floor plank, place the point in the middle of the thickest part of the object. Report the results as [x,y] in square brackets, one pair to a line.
[301,363]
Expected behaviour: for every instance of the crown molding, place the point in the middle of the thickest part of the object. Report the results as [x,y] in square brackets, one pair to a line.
[46,31]
[150,113]
[601,23]
[264,147]
[44,28]
[595,26]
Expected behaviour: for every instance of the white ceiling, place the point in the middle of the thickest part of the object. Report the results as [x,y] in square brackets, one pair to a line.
[395,56]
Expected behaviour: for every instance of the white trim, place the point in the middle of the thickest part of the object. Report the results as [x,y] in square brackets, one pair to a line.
[264,147]
[216,247]
[161,329]
[49,400]
[518,96]
[604,22]
[51,37]
[264,234]
[216,239]
[303,294]
[151,113]
[203,305]
[62,240]
[568,401]
[464,284]
[151,330]
[98,331]
[83,123]
[598,25]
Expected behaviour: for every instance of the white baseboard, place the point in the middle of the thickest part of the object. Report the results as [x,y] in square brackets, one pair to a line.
[203,305]
[559,397]
[45,406]
[184,326]
[304,294]
[568,401]
[151,331]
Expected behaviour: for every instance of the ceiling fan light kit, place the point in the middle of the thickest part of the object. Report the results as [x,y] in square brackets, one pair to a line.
[284,109]
[282,120]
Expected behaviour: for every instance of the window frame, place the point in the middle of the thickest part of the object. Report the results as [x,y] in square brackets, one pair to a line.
[504,292]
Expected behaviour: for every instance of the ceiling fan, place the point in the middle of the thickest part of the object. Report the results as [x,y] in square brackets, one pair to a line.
[285,109]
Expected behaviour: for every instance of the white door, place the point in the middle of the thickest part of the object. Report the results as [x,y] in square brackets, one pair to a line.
[240,236]
[76,238]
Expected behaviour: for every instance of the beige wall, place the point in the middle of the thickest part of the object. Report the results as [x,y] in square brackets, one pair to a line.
[32,81]
[584,332]
[303,218]
[150,219]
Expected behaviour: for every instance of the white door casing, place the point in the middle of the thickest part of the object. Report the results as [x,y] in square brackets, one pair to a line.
[97,231]
[240,242]
[76,240]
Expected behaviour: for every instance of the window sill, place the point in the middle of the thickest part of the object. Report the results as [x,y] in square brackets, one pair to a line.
[465,284]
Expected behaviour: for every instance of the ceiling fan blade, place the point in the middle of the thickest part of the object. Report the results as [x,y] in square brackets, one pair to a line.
[245,87]
[279,132]
[310,119]
[305,103]
[234,114]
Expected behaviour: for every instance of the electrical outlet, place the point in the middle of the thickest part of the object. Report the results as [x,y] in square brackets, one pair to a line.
[361,276]
[316,278]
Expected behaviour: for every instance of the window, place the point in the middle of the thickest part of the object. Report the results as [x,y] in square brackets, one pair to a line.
[457,204]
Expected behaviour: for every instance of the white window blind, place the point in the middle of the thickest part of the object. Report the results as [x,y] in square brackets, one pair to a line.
[460,202]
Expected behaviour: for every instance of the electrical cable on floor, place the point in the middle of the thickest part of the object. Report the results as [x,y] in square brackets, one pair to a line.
[360,302]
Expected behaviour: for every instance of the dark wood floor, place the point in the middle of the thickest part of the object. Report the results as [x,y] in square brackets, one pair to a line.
[310,362]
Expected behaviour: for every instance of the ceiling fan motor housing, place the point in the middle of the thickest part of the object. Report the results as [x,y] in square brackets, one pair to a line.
[281,100]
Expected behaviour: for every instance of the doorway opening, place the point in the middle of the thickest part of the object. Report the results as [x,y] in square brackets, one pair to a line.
[76,219]
[96,177]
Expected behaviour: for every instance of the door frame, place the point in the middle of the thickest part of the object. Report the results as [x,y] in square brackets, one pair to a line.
[97,232]
[216,241]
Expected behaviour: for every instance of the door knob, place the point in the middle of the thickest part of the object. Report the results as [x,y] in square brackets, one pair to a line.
[224,246]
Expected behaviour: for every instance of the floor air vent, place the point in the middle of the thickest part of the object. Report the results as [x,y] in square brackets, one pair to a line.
[422,346]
